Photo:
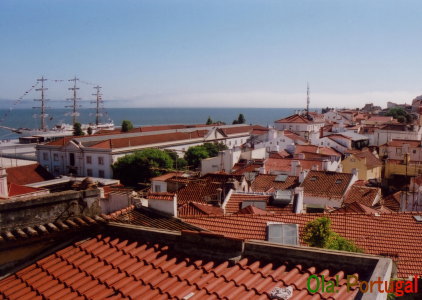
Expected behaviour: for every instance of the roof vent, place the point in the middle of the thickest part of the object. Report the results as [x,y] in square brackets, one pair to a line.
[281,178]
[281,292]
[418,218]
[286,234]
[338,181]
[313,178]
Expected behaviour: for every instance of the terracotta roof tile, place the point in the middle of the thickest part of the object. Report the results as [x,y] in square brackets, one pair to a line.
[326,184]
[392,201]
[23,175]
[102,268]
[234,203]
[161,196]
[371,160]
[294,119]
[195,209]
[395,235]
[362,194]
[149,218]
[266,182]
[400,143]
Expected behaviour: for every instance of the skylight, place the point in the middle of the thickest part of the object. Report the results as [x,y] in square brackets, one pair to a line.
[418,218]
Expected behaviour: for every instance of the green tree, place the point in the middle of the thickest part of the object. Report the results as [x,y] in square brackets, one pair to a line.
[318,233]
[126,125]
[142,165]
[195,154]
[89,130]
[77,129]
[179,163]
[400,114]
[241,119]
[209,121]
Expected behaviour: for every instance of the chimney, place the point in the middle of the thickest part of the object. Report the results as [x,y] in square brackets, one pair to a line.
[219,193]
[321,133]
[4,191]
[295,168]
[298,200]
[164,205]
[303,175]
[325,164]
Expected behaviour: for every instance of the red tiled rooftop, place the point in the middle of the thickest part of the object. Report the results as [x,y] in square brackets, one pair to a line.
[109,267]
[395,235]
[294,119]
[371,160]
[23,175]
[166,176]
[400,143]
[148,139]
[362,194]
[234,203]
[161,196]
[293,136]
[252,210]
[20,190]
[326,184]
[195,209]
[266,182]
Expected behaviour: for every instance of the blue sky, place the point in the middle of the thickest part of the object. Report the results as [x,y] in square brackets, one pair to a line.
[155,53]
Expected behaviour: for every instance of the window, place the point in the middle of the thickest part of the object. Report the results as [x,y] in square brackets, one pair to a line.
[89,160]
[101,160]
[282,233]
[101,173]
[414,151]
[157,188]
[45,156]
[72,159]
[398,150]
[89,172]
[56,157]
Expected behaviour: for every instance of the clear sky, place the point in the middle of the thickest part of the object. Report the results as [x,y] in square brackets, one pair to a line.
[261,53]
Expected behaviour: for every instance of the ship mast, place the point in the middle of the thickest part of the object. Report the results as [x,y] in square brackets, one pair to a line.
[74,99]
[43,115]
[98,101]
[307,100]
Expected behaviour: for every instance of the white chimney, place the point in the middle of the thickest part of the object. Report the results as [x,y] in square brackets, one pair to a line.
[303,175]
[295,168]
[4,192]
[164,205]
[298,203]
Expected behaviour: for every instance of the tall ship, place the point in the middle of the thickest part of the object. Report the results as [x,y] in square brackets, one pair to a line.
[44,132]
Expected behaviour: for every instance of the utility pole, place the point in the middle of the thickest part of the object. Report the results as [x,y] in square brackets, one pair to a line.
[98,101]
[74,99]
[43,115]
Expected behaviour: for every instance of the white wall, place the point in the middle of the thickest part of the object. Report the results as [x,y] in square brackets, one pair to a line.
[166,206]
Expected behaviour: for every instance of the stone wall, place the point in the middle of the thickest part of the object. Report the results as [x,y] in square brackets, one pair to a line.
[31,211]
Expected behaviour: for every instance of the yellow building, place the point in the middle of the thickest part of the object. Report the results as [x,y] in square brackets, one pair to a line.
[368,165]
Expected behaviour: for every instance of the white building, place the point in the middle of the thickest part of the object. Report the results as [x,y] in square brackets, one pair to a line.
[300,124]
[94,155]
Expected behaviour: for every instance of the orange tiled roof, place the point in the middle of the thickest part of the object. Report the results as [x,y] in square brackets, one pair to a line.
[149,218]
[206,186]
[371,160]
[195,209]
[395,235]
[284,164]
[252,210]
[161,196]
[326,184]
[362,194]
[392,201]
[234,204]
[166,176]
[293,136]
[316,149]
[148,139]
[294,119]
[110,267]
[23,175]
[265,182]
[400,143]
[19,190]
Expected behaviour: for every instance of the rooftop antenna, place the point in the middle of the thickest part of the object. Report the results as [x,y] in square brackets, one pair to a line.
[307,100]
[98,101]
[74,99]
[43,115]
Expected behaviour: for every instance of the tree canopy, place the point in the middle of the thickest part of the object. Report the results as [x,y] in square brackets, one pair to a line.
[209,121]
[240,119]
[126,125]
[195,154]
[400,114]
[142,165]
[318,233]
[77,129]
